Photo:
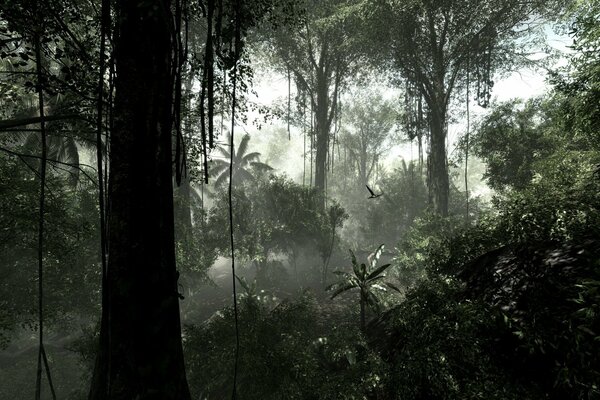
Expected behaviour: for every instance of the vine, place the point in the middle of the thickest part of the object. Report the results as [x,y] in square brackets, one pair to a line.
[41,348]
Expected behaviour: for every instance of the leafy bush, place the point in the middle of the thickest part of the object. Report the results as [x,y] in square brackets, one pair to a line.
[291,351]
[438,347]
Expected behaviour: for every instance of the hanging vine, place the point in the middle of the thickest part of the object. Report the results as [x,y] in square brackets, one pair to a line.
[415,118]
[105,22]
[467,144]
[41,349]
[483,50]
[234,81]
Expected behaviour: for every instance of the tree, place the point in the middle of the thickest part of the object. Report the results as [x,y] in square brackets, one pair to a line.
[510,140]
[367,131]
[319,55]
[578,91]
[365,279]
[439,45]
[276,216]
[141,353]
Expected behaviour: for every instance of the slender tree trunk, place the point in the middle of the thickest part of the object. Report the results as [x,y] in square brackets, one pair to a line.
[182,207]
[143,356]
[322,130]
[363,323]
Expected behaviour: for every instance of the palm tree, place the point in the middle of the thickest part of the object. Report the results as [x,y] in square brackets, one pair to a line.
[366,279]
[243,164]
[65,138]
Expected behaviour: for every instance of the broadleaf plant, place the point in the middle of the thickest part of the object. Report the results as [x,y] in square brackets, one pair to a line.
[366,279]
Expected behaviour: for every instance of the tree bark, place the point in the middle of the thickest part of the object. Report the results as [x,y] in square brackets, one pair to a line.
[322,130]
[438,166]
[141,354]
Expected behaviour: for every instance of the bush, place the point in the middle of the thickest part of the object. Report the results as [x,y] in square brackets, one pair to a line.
[286,352]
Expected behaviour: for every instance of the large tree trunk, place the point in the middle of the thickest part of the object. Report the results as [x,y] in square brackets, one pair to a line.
[437,165]
[322,130]
[141,352]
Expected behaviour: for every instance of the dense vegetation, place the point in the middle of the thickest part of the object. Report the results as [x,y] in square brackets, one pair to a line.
[139,164]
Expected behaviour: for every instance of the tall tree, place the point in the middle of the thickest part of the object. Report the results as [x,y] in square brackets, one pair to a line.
[141,353]
[367,131]
[320,54]
[433,42]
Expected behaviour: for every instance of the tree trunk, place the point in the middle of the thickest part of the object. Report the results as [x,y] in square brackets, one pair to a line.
[438,167]
[363,323]
[141,354]
[322,130]
[182,200]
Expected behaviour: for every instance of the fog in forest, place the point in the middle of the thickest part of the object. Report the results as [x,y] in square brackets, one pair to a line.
[299,199]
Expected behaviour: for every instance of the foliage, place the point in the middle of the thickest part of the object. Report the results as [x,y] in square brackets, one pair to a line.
[276,216]
[366,280]
[546,295]
[368,131]
[510,140]
[578,86]
[387,218]
[244,163]
[319,55]
[543,213]
[438,346]
[72,271]
[289,351]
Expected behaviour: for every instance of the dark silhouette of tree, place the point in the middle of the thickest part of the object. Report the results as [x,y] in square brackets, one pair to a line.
[141,353]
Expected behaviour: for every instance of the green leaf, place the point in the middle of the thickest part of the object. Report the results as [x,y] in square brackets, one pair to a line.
[378,271]
[374,257]
[341,288]
[243,283]
[393,287]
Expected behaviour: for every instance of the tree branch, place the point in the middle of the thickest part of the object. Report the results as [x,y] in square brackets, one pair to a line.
[12,123]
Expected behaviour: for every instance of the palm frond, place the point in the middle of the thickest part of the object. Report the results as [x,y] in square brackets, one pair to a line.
[247,158]
[241,175]
[341,288]
[242,148]
[393,287]
[67,151]
[218,167]
[363,271]
[222,178]
[379,287]
[261,166]
[374,279]
[224,151]
[378,271]
[374,257]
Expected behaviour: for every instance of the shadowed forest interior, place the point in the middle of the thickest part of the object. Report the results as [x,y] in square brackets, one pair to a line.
[299,199]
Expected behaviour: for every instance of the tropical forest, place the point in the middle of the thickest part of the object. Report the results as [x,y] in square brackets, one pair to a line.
[300,199]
